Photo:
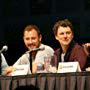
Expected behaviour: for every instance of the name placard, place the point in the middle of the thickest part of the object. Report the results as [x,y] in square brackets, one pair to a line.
[65,67]
[20,70]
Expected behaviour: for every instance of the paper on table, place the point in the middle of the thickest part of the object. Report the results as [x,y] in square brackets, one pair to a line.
[20,70]
[65,67]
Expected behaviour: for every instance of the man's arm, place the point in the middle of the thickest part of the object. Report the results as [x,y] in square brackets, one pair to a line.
[87,48]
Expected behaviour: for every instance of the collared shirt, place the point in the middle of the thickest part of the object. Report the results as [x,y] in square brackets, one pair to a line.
[62,57]
[40,55]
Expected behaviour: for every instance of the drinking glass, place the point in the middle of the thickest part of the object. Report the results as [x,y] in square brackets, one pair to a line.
[47,61]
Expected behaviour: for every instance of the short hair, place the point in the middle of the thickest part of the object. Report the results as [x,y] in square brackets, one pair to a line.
[63,23]
[30,27]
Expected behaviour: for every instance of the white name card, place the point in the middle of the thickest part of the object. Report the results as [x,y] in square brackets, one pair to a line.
[20,70]
[65,67]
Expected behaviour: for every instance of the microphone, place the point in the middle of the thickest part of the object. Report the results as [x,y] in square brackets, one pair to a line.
[4,48]
[37,49]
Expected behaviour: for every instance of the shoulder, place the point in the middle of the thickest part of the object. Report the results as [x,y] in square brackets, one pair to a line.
[24,59]
[57,51]
[47,47]
[25,55]
[78,47]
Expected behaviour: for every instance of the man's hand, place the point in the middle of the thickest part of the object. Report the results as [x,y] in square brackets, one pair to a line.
[87,48]
[9,70]
[34,67]
[88,69]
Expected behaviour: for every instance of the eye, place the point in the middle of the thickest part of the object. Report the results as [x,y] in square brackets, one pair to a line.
[27,38]
[68,32]
[33,38]
[61,33]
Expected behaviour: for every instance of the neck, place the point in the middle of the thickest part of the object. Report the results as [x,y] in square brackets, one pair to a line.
[64,49]
[34,53]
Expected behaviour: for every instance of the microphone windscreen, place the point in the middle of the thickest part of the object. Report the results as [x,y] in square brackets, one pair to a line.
[5,48]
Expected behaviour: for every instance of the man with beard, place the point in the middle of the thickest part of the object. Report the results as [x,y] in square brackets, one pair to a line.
[36,51]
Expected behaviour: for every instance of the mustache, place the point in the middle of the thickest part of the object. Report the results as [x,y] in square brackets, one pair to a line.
[29,45]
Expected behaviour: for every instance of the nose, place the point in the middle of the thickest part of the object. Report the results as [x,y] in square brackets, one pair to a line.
[65,35]
[30,41]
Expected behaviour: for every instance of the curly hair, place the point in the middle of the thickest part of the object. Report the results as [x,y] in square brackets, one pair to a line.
[63,23]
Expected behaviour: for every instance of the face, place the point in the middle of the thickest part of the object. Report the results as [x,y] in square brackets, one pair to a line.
[31,39]
[64,35]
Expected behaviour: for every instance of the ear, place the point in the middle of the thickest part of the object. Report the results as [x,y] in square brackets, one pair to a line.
[56,37]
[40,37]
[72,35]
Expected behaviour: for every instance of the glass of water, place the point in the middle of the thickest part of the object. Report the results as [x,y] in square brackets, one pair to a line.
[47,61]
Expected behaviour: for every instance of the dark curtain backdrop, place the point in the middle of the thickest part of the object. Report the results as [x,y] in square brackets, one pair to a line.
[16,14]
